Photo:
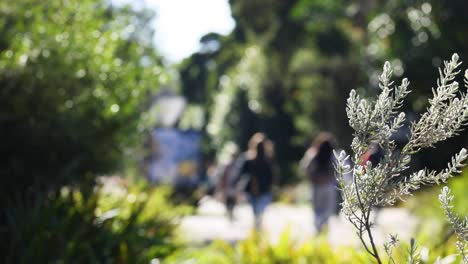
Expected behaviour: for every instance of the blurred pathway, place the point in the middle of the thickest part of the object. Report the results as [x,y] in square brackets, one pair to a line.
[211,223]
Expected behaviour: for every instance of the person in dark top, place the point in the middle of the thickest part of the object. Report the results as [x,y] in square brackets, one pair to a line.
[227,171]
[317,165]
[257,175]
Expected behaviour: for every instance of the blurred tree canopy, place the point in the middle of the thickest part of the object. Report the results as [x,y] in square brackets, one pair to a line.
[75,76]
[288,66]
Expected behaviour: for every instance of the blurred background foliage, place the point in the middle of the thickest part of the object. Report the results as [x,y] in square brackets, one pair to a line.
[259,249]
[288,66]
[78,76]
[75,77]
[435,239]
[116,222]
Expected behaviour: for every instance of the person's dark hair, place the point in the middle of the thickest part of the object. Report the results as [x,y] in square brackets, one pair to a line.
[324,144]
[258,147]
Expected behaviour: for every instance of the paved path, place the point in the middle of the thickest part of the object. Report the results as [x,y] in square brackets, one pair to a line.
[211,223]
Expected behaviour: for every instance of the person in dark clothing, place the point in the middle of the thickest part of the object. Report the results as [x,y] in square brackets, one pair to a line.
[317,165]
[227,173]
[257,175]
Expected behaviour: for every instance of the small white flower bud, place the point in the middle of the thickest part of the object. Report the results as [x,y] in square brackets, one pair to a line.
[387,66]
[455,58]
[421,174]
[445,189]
[405,82]
[463,152]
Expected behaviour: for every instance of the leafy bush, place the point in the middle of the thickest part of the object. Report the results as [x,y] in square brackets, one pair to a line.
[431,208]
[111,224]
[459,223]
[374,122]
[257,249]
[434,233]
[75,76]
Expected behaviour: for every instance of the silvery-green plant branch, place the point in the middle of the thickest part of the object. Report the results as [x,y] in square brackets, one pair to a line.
[374,122]
[460,225]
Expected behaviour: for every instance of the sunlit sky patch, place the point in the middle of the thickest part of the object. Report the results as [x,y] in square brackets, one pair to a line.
[179,24]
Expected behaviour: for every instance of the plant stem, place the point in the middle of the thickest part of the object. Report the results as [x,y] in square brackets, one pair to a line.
[366,216]
[371,238]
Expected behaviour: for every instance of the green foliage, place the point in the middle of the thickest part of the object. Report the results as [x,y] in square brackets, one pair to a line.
[436,232]
[217,252]
[312,53]
[374,122]
[258,249]
[426,248]
[459,223]
[458,187]
[416,36]
[431,208]
[262,75]
[112,224]
[74,78]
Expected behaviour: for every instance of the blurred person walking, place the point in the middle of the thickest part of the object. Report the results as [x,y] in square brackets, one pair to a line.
[227,177]
[317,165]
[257,175]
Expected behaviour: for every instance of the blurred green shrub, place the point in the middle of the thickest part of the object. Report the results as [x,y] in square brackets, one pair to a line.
[257,249]
[435,233]
[426,205]
[114,223]
[75,76]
